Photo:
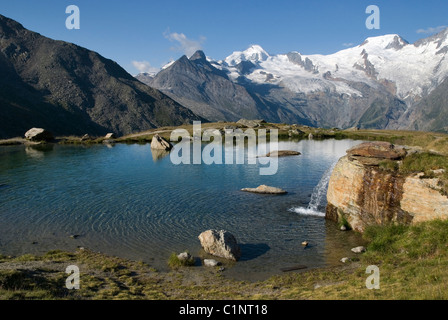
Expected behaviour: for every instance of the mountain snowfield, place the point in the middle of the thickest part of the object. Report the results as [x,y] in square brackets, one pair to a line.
[415,69]
[377,84]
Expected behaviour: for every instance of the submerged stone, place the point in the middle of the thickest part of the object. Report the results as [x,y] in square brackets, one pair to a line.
[264,189]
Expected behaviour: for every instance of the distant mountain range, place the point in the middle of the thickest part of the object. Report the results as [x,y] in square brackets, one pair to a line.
[383,83]
[68,89]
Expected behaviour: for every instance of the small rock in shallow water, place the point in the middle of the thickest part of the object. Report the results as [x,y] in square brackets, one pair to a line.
[210,263]
[345,259]
[74,236]
[343,228]
[282,153]
[184,256]
[305,243]
[359,249]
[265,189]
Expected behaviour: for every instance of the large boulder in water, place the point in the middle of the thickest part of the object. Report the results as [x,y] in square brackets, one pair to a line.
[160,143]
[38,134]
[220,243]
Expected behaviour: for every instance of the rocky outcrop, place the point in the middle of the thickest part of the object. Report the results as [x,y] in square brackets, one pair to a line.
[220,243]
[423,197]
[39,134]
[160,143]
[362,194]
[251,123]
[265,190]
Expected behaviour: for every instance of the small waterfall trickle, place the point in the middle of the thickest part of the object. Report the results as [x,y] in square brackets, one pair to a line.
[316,207]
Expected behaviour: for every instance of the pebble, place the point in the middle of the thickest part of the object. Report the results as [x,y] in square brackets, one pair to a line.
[184,256]
[210,263]
[359,249]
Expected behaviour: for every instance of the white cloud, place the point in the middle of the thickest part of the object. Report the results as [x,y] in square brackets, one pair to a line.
[187,46]
[431,30]
[144,66]
[350,44]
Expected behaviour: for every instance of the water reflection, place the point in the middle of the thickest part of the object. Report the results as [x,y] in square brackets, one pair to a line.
[38,151]
[158,155]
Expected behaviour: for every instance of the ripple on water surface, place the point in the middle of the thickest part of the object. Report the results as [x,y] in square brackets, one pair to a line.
[123,202]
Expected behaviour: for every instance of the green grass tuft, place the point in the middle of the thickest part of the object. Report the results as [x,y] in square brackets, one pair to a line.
[174,262]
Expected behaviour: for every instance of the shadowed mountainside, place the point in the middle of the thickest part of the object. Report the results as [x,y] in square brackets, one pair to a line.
[68,89]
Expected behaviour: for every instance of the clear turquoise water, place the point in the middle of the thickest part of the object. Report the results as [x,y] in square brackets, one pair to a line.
[122,201]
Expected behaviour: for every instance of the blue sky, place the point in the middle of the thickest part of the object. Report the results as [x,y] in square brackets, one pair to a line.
[155,32]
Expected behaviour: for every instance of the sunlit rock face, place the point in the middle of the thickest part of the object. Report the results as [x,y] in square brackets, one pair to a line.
[363,194]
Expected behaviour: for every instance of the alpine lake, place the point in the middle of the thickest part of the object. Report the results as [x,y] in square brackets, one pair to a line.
[133,202]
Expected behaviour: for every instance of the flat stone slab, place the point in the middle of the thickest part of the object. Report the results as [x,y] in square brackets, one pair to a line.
[283,153]
[377,149]
[264,189]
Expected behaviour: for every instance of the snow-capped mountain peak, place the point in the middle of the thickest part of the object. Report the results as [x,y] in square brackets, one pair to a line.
[389,41]
[384,82]
[254,53]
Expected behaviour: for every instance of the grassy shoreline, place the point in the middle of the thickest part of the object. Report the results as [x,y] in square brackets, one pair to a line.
[429,141]
[412,261]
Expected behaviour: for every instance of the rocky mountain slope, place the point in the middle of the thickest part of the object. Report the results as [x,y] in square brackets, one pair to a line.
[385,82]
[68,89]
[209,92]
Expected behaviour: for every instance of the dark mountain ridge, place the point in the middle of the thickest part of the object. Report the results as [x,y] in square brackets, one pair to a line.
[68,89]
